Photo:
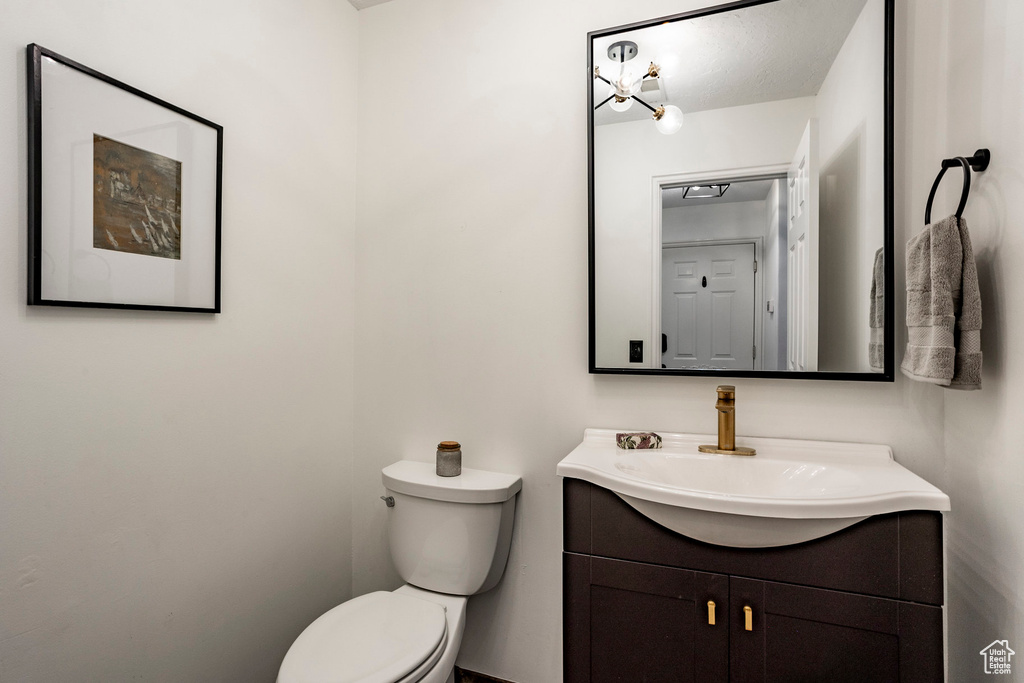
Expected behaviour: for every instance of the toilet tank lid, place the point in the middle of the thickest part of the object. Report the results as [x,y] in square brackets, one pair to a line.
[472,486]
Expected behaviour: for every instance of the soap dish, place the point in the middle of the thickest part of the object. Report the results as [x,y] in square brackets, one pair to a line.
[637,440]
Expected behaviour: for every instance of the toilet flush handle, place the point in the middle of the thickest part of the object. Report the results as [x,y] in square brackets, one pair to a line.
[388,500]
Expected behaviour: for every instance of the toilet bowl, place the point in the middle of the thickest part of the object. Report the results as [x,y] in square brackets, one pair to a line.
[449,539]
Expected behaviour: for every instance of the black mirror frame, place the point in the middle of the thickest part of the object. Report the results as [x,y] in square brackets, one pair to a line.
[888,374]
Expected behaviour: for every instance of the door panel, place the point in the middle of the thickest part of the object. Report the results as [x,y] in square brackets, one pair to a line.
[708,306]
[645,623]
[679,306]
[685,326]
[657,646]
[799,651]
[802,260]
[802,634]
[723,343]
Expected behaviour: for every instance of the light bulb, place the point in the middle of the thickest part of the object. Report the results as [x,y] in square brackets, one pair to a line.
[671,119]
[628,83]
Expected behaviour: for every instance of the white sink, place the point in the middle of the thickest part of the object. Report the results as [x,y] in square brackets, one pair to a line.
[790,492]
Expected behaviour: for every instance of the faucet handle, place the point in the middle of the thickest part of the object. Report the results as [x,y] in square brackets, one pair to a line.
[726,391]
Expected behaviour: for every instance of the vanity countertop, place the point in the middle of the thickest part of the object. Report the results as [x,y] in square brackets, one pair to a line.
[829,485]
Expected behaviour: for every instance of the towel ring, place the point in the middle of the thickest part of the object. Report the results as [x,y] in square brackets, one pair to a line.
[979,162]
[963,195]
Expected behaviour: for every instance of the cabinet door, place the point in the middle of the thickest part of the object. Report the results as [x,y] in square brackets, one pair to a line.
[628,621]
[802,634]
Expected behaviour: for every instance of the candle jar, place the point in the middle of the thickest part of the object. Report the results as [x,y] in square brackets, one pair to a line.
[449,459]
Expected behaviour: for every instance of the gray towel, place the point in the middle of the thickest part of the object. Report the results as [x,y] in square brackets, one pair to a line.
[876,344]
[967,368]
[943,307]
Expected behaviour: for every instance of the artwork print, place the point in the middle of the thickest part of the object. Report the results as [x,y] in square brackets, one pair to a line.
[136,200]
[114,169]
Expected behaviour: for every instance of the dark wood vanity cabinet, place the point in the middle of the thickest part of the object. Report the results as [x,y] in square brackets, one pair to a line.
[862,605]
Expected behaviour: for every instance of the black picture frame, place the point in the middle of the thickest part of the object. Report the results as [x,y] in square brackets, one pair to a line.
[110,169]
[888,373]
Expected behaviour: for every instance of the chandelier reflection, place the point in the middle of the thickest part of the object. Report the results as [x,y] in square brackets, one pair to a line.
[625,85]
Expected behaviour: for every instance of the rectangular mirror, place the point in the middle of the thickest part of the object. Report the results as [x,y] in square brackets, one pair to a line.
[741,219]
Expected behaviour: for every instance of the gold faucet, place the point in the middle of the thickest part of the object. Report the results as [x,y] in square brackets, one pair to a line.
[726,407]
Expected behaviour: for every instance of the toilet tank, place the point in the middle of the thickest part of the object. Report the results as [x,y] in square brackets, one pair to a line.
[450,534]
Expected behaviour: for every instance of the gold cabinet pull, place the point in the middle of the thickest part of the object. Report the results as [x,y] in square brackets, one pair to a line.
[748,618]
[711,612]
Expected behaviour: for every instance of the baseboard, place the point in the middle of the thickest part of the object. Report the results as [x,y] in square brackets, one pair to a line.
[463,676]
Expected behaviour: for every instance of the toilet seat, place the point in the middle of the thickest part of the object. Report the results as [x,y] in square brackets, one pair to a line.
[376,638]
[419,672]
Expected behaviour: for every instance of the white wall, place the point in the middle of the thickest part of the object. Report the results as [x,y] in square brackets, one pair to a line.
[472,294]
[734,220]
[754,135]
[850,110]
[965,89]
[174,488]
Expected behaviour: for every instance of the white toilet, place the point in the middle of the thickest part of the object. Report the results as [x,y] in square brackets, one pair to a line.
[449,539]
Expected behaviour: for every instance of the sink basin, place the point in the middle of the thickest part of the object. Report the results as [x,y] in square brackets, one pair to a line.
[790,492]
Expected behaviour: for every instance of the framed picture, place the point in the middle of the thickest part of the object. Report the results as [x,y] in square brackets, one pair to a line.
[124,194]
